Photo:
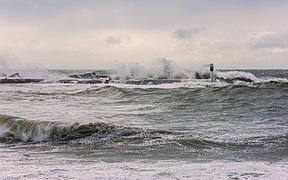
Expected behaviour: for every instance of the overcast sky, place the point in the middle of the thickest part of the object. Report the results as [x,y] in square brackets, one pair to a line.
[95,34]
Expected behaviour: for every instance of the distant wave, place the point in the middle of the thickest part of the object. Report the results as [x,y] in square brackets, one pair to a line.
[195,91]
[205,87]
[108,90]
[280,84]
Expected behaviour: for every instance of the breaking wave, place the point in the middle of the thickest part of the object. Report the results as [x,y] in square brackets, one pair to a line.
[15,129]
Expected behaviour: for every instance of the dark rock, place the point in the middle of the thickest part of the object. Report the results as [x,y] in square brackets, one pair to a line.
[19,81]
[153,81]
[232,80]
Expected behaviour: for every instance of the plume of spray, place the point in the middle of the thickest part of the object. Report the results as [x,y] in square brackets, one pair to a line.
[164,69]
[158,69]
[130,71]
[10,65]
[167,69]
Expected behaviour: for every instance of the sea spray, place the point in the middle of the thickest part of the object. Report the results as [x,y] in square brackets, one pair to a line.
[10,65]
[158,69]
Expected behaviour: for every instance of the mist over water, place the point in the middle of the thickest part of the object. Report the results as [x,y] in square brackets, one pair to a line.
[10,66]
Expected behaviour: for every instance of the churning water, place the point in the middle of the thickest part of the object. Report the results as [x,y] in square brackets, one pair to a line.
[191,130]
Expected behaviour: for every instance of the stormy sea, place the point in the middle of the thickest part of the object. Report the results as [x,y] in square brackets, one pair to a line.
[77,127]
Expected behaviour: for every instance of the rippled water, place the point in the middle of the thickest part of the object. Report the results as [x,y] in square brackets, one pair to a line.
[190,130]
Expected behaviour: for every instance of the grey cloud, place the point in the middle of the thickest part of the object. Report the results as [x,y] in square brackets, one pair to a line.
[71,14]
[112,40]
[115,40]
[197,30]
[182,34]
[186,34]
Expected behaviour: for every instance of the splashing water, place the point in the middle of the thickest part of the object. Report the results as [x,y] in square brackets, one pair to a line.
[10,66]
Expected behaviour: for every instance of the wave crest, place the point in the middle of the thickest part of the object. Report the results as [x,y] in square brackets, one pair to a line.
[18,129]
[14,129]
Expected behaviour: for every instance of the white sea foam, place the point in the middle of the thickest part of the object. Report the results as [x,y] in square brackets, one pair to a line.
[236,74]
[273,79]
[187,83]
[26,165]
